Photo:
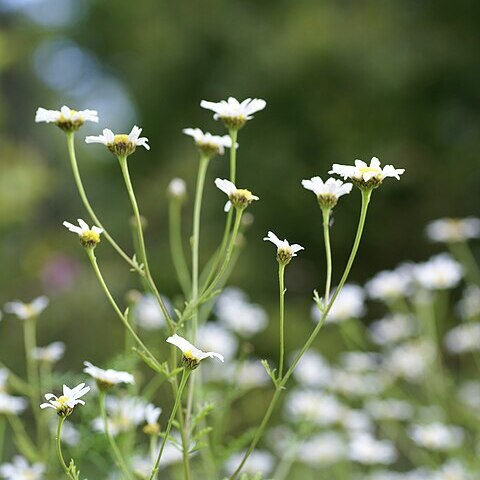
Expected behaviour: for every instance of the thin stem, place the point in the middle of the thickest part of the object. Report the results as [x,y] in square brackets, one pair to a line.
[328,253]
[116,452]
[141,241]
[279,387]
[233,132]
[58,442]
[176,247]
[178,398]
[98,273]
[86,203]
[281,284]
[463,253]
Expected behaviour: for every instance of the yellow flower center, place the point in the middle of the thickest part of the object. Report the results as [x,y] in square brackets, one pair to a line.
[121,138]
[62,400]
[369,170]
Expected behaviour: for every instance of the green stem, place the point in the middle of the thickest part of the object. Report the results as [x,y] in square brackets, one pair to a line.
[59,447]
[176,246]
[279,387]
[233,132]
[98,273]
[22,440]
[462,252]
[178,398]
[86,203]
[141,241]
[116,452]
[328,253]
[281,284]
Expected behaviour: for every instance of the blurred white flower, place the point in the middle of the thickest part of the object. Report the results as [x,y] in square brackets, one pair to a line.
[259,461]
[469,305]
[152,414]
[410,360]
[367,450]
[65,404]
[389,285]
[213,335]
[392,329]
[348,304]
[326,448]
[4,373]
[50,354]
[463,338]
[453,470]
[89,237]
[107,378]
[120,144]
[191,354]
[208,143]
[238,197]
[285,251]
[177,188]
[66,118]
[10,405]
[24,311]
[360,362]
[356,421]
[148,313]
[439,272]
[389,409]
[436,436]
[329,192]
[364,175]
[233,113]
[469,394]
[235,311]
[142,465]
[450,230]
[70,434]
[356,385]
[313,406]
[312,370]
[20,469]
[250,374]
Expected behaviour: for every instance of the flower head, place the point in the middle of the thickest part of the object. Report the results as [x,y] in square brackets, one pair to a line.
[89,237]
[451,230]
[106,379]
[366,176]
[177,188]
[210,145]
[67,119]
[438,273]
[152,415]
[327,192]
[238,197]
[191,354]
[65,404]
[25,311]
[121,145]
[10,405]
[285,251]
[20,469]
[233,113]
[50,354]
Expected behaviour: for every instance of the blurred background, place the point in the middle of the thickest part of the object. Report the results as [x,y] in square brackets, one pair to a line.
[342,80]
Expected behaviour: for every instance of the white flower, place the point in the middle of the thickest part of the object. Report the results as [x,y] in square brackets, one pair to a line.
[389,409]
[410,360]
[469,394]
[12,405]
[356,421]
[313,406]
[66,402]
[355,385]
[463,338]
[439,272]
[152,414]
[312,370]
[148,313]
[285,251]
[235,311]
[437,436]
[469,305]
[177,188]
[451,230]
[120,144]
[392,329]
[259,461]
[324,448]
[107,378]
[389,285]
[367,450]
[212,335]
[89,237]
[240,198]
[249,374]
[453,470]
[233,113]
[50,354]
[24,311]
[192,356]
[329,192]
[208,143]
[20,469]
[348,304]
[364,175]
[66,118]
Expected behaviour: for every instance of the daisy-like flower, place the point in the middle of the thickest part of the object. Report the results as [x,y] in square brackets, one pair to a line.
[25,311]
[437,436]
[152,415]
[10,405]
[177,188]
[327,192]
[210,145]
[451,230]
[192,356]
[285,251]
[234,114]
[366,176]
[367,450]
[439,273]
[238,197]
[106,379]
[50,354]
[89,237]
[65,404]
[20,469]
[67,119]
[122,144]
